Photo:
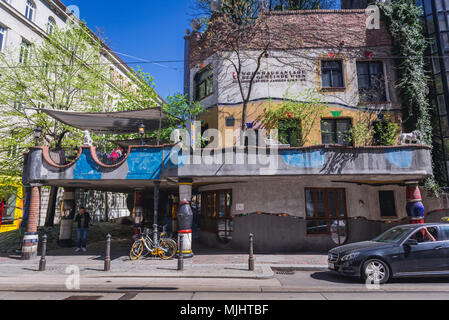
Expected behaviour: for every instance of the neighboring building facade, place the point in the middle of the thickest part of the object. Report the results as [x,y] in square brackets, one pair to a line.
[23,22]
[436,14]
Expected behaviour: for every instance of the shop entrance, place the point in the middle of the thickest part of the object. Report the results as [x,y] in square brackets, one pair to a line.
[216,213]
[326,213]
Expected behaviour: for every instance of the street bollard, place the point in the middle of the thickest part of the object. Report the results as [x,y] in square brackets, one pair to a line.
[251,252]
[43,262]
[180,255]
[107,259]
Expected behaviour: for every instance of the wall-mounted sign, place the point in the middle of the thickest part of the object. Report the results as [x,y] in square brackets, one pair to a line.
[240,206]
[272,76]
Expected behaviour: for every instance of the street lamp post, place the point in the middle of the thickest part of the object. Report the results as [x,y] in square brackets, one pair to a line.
[142,133]
[37,135]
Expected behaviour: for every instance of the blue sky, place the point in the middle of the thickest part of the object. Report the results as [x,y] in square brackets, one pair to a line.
[151,30]
[147,29]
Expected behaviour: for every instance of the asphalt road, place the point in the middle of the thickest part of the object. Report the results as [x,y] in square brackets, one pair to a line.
[301,285]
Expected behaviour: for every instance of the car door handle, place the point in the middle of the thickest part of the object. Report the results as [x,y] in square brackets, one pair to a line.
[438,248]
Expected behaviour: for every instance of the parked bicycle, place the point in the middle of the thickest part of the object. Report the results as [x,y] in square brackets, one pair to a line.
[165,248]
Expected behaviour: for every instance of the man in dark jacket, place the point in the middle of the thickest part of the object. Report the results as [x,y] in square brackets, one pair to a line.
[83,219]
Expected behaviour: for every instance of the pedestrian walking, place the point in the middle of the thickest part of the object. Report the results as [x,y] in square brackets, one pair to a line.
[83,219]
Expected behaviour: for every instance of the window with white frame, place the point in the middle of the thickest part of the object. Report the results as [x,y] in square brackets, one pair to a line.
[30,10]
[24,51]
[2,37]
[51,24]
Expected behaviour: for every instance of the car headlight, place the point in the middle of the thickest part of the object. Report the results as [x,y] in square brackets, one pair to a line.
[350,256]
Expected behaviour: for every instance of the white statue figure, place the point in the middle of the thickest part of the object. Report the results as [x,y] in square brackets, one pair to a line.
[87,138]
[410,138]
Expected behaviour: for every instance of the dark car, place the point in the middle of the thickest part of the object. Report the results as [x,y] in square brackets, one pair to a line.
[402,251]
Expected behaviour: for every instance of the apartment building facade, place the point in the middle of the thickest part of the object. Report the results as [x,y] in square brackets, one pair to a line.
[27,22]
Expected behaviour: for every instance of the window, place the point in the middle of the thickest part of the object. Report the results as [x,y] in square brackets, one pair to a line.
[2,37]
[230,121]
[30,10]
[290,132]
[24,51]
[216,213]
[387,204]
[7,209]
[444,232]
[51,24]
[422,236]
[371,81]
[336,131]
[332,74]
[326,212]
[204,83]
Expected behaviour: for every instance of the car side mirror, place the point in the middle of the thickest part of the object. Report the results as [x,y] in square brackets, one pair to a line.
[411,242]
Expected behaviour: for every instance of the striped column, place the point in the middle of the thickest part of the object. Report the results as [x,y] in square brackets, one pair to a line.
[185,216]
[31,238]
[415,207]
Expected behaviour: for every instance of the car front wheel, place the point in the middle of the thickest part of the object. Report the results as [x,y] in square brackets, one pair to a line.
[375,271]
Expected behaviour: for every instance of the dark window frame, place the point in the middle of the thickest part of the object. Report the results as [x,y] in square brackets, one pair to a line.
[290,131]
[349,120]
[371,82]
[198,83]
[388,199]
[332,70]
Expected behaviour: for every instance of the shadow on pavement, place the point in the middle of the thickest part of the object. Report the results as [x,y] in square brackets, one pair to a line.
[334,277]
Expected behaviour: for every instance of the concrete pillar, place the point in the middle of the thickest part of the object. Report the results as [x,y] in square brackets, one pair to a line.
[185,216]
[31,238]
[67,215]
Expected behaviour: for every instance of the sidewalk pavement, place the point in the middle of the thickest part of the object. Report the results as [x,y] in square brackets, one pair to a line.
[206,263]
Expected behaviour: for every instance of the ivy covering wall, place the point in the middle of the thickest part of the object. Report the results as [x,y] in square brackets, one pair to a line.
[403,19]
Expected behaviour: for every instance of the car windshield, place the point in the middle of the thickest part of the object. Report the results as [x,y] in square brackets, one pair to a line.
[394,234]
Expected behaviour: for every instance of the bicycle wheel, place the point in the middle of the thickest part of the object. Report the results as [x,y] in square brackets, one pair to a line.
[136,250]
[166,250]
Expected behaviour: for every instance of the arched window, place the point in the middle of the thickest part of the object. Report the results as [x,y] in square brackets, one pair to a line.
[30,10]
[51,24]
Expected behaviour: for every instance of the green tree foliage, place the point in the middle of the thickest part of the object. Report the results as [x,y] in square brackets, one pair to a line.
[403,18]
[179,110]
[409,44]
[305,109]
[66,71]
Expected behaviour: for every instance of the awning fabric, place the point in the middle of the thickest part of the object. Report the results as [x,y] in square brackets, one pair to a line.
[111,122]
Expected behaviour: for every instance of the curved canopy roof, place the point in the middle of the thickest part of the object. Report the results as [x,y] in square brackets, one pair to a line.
[111,122]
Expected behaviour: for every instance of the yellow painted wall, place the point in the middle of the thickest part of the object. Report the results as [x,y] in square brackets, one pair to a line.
[18,212]
[216,117]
